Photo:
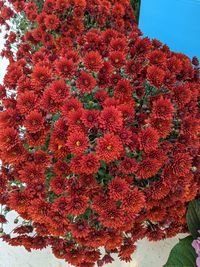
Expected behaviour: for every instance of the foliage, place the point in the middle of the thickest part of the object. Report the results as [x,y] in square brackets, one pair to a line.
[183,254]
[136,6]
[193,217]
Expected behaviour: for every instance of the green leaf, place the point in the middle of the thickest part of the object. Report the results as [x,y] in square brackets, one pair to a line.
[182,254]
[103,164]
[193,217]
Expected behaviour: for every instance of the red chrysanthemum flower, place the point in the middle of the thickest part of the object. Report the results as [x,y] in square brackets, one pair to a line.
[18,200]
[65,68]
[89,164]
[48,102]
[39,209]
[90,118]
[80,229]
[31,172]
[118,10]
[15,154]
[134,201]
[37,138]
[128,165]
[77,142]
[109,148]
[85,82]
[127,250]
[59,90]
[191,126]
[41,75]
[61,168]
[58,184]
[148,138]
[157,58]
[163,108]
[118,188]
[51,22]
[77,205]
[123,90]
[111,119]
[148,168]
[61,205]
[9,137]
[71,105]
[119,44]
[75,164]
[182,94]
[117,59]
[162,126]
[34,122]
[112,217]
[26,102]
[181,164]
[75,120]
[155,76]
[93,61]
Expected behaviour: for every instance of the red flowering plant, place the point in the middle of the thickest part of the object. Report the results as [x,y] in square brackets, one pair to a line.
[99,139]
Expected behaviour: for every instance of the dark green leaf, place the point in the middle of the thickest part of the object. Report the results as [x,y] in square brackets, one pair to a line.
[193,217]
[183,254]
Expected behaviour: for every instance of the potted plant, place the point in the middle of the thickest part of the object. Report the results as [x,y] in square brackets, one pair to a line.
[98,145]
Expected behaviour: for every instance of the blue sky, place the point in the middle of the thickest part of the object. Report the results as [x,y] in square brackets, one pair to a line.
[174,22]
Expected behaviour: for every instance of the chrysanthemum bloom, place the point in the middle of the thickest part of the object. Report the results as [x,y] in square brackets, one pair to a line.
[134,201]
[163,126]
[112,217]
[155,76]
[34,122]
[59,90]
[117,59]
[148,168]
[58,184]
[181,164]
[128,165]
[79,229]
[111,119]
[118,188]
[148,139]
[109,148]
[77,142]
[89,164]
[26,102]
[51,22]
[93,61]
[8,138]
[163,108]
[65,68]
[90,118]
[85,82]
[41,75]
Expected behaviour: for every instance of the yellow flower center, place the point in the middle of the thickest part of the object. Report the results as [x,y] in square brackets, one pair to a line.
[59,147]
[109,147]
[78,143]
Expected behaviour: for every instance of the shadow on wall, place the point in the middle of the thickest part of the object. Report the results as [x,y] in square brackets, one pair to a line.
[174,22]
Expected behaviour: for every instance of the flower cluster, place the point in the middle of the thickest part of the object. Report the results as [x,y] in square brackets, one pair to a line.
[99,138]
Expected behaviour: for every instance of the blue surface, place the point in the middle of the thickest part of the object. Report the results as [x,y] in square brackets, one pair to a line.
[173,22]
